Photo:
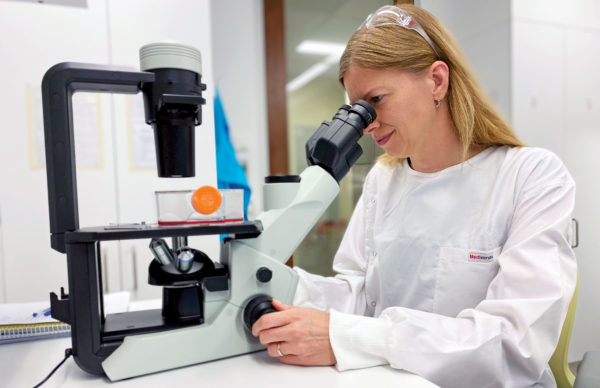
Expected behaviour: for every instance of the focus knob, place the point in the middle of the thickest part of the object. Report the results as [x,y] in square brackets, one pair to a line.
[264,275]
[256,308]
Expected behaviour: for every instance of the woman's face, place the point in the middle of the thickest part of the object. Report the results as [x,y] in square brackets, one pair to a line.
[404,104]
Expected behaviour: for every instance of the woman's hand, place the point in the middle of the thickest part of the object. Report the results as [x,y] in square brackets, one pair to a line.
[302,335]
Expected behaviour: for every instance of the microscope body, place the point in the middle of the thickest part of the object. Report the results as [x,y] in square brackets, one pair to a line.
[225,330]
[226,297]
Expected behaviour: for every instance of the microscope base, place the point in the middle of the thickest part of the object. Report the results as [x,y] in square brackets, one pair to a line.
[149,353]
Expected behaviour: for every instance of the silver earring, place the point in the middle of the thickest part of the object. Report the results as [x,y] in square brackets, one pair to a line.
[438,103]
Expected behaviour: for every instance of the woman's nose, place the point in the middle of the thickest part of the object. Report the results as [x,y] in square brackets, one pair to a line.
[371,127]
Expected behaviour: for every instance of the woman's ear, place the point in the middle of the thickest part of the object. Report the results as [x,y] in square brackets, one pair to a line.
[440,74]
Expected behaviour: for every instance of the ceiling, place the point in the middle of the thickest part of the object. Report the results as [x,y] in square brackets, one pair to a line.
[322,20]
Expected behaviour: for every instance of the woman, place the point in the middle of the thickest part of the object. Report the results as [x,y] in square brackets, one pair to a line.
[456,264]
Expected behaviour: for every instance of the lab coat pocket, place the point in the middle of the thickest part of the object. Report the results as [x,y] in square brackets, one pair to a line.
[463,277]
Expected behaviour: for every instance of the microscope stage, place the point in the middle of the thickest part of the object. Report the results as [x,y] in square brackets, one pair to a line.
[242,229]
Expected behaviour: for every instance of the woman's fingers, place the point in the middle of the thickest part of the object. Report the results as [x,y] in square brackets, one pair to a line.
[274,335]
[271,320]
[280,306]
[301,333]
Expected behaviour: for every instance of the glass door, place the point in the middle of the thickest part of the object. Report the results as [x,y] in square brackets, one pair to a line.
[316,33]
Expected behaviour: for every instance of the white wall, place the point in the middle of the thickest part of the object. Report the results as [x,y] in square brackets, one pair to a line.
[35,37]
[482,29]
[239,73]
[54,34]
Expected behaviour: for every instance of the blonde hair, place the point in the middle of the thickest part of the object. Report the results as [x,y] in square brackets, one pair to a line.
[475,120]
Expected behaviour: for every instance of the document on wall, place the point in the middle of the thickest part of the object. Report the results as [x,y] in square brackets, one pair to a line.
[142,154]
[87,129]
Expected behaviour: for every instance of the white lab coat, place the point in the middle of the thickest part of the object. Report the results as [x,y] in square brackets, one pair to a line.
[462,276]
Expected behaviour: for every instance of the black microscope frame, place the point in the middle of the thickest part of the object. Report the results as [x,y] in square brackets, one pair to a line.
[94,335]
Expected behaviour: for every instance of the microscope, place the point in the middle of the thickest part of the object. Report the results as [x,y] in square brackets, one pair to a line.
[208,311]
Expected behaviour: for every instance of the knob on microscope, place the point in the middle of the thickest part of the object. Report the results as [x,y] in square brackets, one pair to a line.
[264,275]
[256,308]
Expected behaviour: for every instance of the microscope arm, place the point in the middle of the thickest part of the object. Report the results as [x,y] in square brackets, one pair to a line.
[285,228]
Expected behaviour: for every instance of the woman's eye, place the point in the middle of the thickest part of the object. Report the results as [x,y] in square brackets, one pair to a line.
[376,98]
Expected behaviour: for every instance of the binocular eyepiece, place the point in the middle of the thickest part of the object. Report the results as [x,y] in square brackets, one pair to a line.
[334,146]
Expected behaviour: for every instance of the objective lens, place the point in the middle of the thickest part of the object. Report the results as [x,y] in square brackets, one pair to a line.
[161,251]
[184,260]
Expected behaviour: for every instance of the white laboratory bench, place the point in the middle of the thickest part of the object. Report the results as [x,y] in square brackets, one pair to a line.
[25,364]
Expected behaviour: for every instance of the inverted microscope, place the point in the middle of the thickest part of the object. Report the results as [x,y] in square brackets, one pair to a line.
[209,307]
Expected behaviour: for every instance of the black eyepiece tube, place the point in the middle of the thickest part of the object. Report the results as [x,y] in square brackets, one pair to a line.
[334,145]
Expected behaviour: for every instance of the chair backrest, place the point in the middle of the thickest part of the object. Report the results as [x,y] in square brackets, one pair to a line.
[559,363]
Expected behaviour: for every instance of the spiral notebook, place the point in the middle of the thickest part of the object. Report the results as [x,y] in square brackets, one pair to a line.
[29,321]
[24,332]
